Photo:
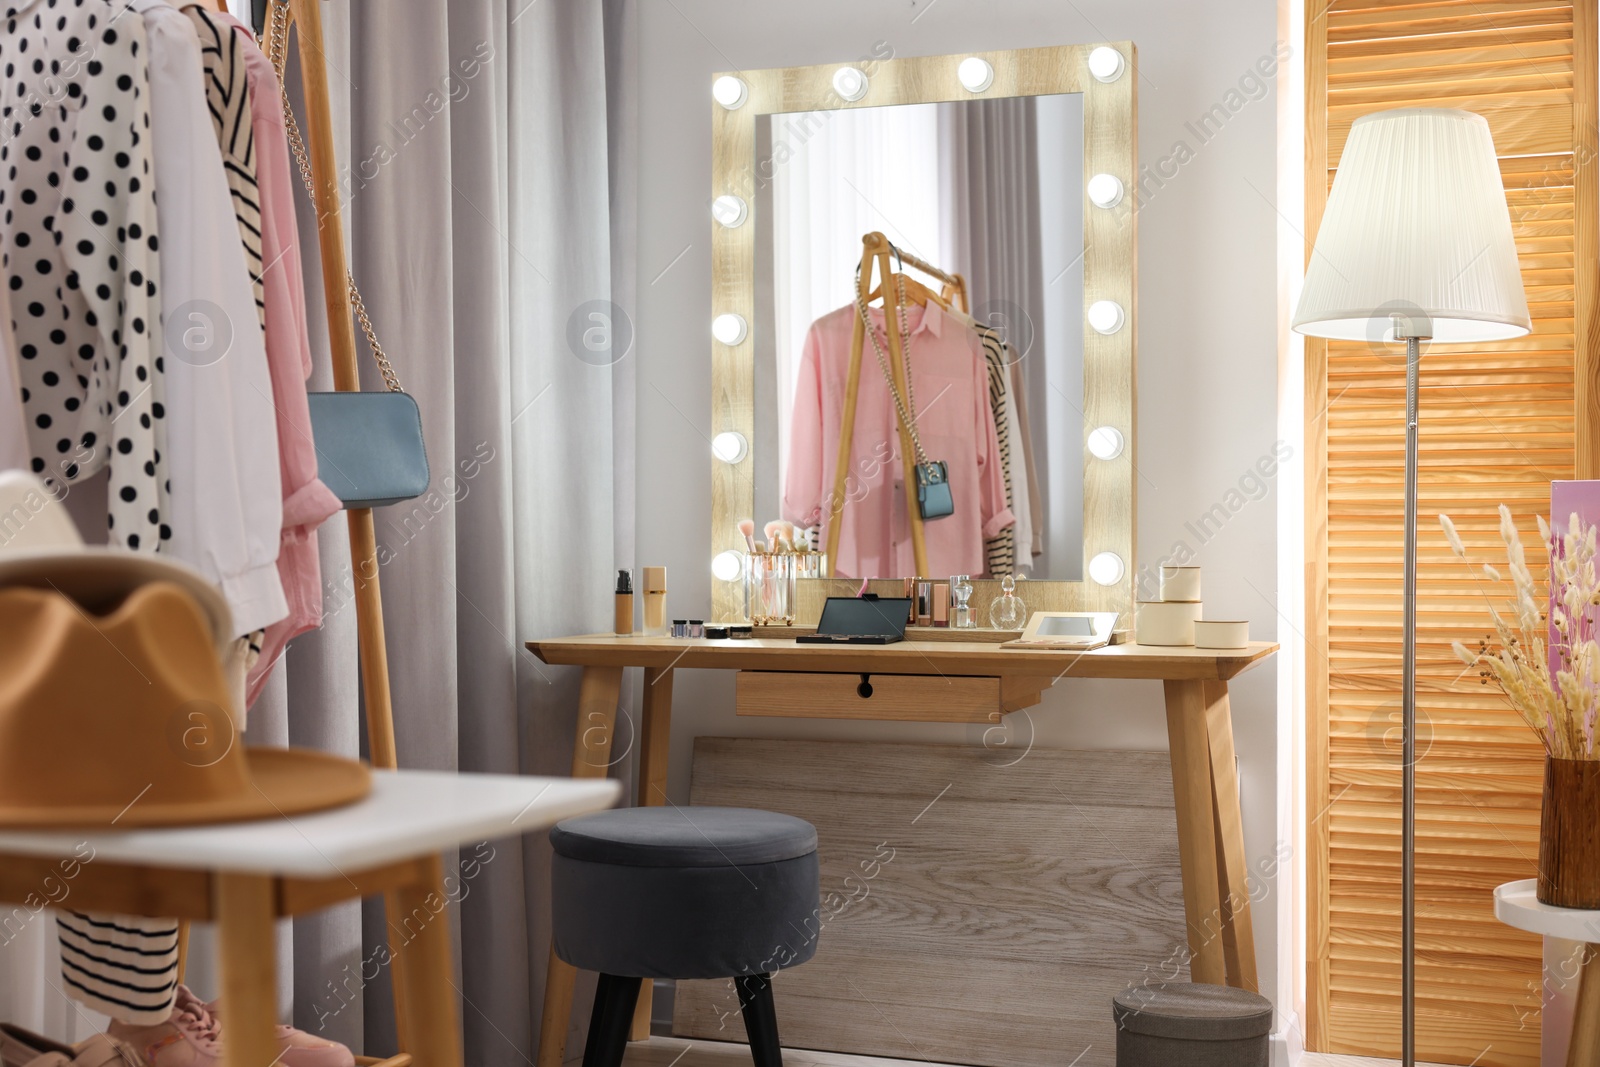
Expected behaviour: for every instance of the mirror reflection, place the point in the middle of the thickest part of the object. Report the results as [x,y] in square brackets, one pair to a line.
[981,345]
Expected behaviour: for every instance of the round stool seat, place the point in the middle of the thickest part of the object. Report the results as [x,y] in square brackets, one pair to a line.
[1188,1024]
[671,892]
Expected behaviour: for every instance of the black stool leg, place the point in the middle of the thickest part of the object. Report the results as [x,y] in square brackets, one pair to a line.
[611,1021]
[760,1019]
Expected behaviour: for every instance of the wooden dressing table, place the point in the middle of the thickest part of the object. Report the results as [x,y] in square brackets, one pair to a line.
[943,680]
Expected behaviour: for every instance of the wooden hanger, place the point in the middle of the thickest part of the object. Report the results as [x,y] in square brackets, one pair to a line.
[916,292]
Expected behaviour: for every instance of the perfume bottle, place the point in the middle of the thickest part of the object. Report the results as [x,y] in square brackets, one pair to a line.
[1007,611]
[960,606]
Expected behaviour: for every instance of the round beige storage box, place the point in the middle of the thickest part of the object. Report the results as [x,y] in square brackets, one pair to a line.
[1165,622]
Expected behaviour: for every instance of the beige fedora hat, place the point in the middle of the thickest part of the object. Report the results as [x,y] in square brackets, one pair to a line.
[121,719]
[113,705]
[40,547]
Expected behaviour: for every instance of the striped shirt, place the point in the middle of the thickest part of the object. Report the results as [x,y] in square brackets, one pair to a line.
[1000,551]
[228,97]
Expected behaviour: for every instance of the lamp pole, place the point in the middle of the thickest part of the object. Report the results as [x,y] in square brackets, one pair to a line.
[1408,714]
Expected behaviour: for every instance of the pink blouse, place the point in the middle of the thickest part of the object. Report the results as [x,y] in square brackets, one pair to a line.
[956,423]
[306,501]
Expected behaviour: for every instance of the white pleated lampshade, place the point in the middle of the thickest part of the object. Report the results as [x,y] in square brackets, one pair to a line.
[1416,222]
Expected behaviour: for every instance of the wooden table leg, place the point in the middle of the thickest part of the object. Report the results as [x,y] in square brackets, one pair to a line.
[1197,838]
[598,694]
[1584,1049]
[1238,932]
[247,944]
[429,990]
[394,917]
[655,739]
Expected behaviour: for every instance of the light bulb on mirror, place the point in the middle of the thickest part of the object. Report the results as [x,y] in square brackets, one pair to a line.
[1106,64]
[1105,442]
[1105,190]
[975,74]
[850,83]
[730,329]
[730,210]
[1106,568]
[730,446]
[729,91]
[727,566]
[1106,316]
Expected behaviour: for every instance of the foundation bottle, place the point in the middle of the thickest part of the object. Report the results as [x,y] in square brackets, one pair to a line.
[654,582]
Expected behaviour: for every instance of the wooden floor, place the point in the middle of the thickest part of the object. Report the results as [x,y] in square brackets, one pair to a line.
[678,1052]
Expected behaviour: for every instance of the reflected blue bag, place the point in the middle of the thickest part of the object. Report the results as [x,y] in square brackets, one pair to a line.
[934,498]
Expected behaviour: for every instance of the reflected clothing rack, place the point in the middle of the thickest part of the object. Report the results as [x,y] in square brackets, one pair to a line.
[877,252]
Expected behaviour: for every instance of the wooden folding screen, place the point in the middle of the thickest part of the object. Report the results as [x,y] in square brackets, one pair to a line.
[1498,423]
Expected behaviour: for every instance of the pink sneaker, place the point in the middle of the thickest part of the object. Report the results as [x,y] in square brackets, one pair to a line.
[298,1048]
[191,1036]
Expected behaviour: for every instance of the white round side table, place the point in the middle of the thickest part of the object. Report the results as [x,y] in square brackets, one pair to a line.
[1517,904]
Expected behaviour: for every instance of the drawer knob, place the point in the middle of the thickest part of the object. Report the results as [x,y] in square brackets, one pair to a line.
[864,690]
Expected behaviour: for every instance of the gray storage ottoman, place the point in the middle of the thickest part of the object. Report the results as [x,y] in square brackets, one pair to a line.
[1182,1024]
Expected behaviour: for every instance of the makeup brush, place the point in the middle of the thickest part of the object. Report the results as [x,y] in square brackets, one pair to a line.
[775,532]
[748,528]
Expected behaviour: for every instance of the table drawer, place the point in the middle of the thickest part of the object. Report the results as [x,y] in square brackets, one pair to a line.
[904,697]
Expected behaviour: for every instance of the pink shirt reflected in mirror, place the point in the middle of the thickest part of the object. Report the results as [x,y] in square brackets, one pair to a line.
[956,424]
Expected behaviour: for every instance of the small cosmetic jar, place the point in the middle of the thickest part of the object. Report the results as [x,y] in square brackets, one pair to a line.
[680,627]
[697,628]
[742,633]
[716,633]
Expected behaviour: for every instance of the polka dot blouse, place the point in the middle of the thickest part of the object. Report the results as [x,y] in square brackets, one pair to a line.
[80,253]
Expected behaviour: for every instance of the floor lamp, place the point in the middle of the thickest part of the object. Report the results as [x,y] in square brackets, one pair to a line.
[1415,245]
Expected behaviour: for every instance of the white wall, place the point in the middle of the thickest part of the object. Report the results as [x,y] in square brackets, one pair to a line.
[1208,342]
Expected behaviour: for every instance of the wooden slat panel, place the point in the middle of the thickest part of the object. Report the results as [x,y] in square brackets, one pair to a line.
[975,909]
[1498,423]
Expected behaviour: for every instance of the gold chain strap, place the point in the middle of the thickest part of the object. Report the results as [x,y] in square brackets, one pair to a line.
[907,418]
[278,48]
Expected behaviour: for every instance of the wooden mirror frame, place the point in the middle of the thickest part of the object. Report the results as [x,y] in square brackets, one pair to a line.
[1110,111]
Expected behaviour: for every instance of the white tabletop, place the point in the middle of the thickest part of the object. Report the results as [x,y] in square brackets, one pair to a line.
[1517,904]
[407,815]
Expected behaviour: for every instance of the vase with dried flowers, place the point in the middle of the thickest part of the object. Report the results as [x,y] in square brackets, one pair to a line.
[1548,667]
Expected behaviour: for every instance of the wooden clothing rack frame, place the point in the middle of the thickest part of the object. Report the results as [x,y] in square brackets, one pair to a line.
[305,19]
[877,255]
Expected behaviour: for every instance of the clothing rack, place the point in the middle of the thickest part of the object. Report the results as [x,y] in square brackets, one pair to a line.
[305,18]
[877,252]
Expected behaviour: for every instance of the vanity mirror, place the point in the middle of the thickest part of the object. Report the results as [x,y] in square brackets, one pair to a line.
[983,207]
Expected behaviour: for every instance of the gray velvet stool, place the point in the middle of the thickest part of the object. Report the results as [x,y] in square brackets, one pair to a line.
[1184,1024]
[670,892]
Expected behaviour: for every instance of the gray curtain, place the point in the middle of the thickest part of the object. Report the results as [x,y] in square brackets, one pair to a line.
[485,216]
[989,158]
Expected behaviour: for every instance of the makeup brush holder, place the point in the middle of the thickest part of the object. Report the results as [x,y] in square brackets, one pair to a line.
[769,588]
[810,564]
